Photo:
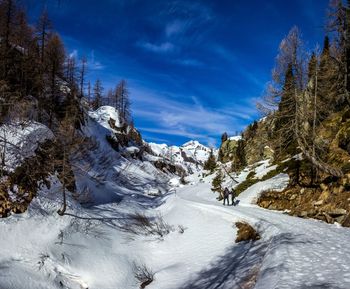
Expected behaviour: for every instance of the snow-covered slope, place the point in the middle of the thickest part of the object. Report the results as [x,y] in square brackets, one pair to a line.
[103,114]
[98,250]
[20,140]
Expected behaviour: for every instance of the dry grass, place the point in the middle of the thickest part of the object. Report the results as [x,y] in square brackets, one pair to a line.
[140,224]
[246,232]
[143,274]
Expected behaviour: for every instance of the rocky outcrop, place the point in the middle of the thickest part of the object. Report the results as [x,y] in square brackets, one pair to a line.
[256,144]
[328,202]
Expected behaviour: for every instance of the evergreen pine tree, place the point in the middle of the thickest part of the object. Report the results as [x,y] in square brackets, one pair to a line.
[210,163]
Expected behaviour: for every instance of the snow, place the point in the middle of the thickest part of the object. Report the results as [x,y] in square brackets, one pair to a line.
[132,149]
[174,182]
[277,183]
[20,140]
[263,168]
[40,249]
[103,114]
[293,252]
[235,138]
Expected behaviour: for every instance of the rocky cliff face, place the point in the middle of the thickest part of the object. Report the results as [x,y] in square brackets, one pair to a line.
[327,197]
[256,144]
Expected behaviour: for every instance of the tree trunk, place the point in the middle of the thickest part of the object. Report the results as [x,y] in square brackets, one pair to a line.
[64,204]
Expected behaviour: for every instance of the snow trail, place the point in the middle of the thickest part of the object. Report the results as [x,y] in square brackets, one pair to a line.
[293,252]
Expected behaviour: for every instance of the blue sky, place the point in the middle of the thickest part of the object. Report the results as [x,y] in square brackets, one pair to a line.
[195,68]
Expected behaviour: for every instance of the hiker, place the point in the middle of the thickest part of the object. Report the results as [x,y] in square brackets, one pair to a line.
[226,195]
[233,196]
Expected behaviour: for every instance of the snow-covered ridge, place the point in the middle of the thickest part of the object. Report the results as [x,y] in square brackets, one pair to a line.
[190,155]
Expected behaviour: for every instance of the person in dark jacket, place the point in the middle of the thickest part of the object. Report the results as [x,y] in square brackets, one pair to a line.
[233,196]
[226,195]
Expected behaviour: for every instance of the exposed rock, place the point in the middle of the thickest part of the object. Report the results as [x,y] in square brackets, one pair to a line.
[265,204]
[227,150]
[340,219]
[323,187]
[303,214]
[346,221]
[318,203]
[337,212]
[324,195]
[329,219]
[19,208]
[272,206]
[340,189]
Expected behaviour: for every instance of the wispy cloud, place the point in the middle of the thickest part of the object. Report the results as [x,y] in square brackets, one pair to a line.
[189,119]
[189,62]
[73,54]
[164,47]
[94,64]
[175,27]
[224,53]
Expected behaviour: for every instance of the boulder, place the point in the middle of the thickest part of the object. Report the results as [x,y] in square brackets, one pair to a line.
[329,219]
[337,212]
[265,204]
[303,214]
[346,221]
[340,219]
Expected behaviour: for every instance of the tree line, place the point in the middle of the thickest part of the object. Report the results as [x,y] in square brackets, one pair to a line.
[307,87]
[37,74]
[40,82]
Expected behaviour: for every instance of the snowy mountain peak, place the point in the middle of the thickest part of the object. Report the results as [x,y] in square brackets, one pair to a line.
[191,155]
[191,143]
